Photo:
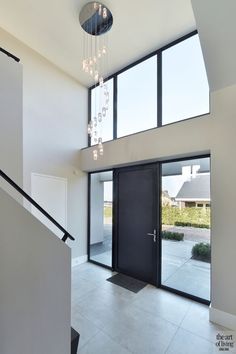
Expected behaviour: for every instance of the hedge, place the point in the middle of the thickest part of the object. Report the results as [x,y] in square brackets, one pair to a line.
[186,216]
[201,226]
[202,252]
[176,236]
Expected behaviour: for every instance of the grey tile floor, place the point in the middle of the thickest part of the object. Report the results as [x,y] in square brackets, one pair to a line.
[113,320]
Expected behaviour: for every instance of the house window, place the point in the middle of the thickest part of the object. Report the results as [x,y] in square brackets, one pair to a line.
[200,205]
[190,204]
[170,86]
[185,90]
[137,98]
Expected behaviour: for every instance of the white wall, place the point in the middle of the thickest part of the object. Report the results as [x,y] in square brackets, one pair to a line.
[51,194]
[11,140]
[55,128]
[214,133]
[215,20]
[35,278]
[187,137]
[223,193]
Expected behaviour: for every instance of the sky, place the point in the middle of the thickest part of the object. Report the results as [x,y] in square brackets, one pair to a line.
[108,191]
[172,184]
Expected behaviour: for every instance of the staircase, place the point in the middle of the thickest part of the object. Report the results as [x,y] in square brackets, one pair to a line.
[74,341]
[35,281]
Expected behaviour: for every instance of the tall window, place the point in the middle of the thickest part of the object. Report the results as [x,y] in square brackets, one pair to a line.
[137,98]
[185,90]
[182,89]
[186,222]
[101,204]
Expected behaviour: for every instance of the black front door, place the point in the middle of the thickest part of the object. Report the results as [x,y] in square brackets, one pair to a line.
[136,232]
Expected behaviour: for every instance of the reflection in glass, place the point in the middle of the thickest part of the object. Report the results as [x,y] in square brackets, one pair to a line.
[101,201]
[186,249]
[137,98]
[95,18]
[185,91]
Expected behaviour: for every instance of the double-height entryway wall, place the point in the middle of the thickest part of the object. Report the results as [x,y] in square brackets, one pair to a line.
[212,134]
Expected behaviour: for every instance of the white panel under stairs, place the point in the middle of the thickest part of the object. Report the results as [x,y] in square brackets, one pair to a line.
[35,284]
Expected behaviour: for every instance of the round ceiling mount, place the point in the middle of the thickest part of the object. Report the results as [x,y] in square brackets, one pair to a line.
[95,18]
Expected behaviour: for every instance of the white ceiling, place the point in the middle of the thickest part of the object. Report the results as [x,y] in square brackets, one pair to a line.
[51,28]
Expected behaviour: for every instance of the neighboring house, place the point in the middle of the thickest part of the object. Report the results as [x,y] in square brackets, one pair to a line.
[107,204]
[195,192]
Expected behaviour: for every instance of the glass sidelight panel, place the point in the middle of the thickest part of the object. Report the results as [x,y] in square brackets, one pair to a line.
[186,209]
[101,200]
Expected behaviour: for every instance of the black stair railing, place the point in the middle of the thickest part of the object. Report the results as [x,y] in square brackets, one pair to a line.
[9,54]
[36,205]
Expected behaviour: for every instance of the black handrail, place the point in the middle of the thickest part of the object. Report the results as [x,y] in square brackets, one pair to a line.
[9,54]
[36,205]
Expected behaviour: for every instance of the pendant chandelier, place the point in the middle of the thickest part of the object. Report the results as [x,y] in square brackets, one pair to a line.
[96,21]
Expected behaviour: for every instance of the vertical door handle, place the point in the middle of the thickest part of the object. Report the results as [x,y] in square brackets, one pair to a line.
[154,235]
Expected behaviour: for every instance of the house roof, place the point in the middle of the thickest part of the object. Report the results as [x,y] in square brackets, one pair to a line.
[197,188]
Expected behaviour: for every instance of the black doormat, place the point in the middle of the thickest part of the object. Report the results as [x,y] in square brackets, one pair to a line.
[127,282]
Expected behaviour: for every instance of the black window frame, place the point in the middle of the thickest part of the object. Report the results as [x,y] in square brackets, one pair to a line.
[158,54]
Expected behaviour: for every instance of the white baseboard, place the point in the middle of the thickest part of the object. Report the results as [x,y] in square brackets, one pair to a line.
[79,260]
[222,318]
